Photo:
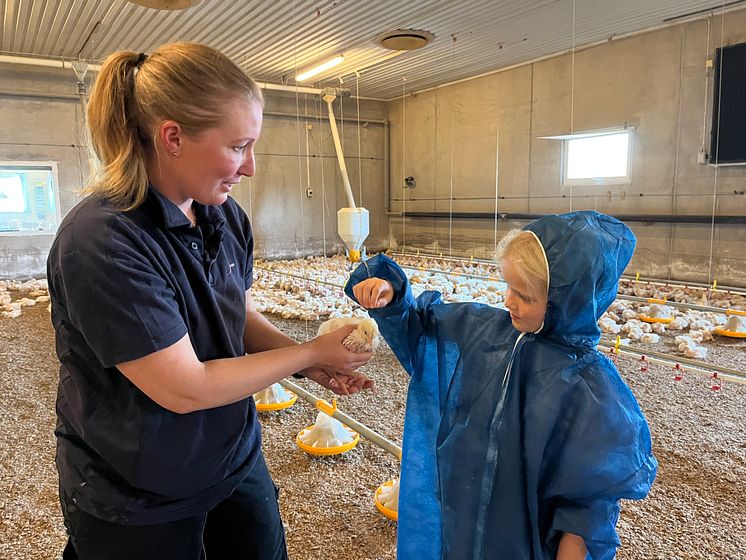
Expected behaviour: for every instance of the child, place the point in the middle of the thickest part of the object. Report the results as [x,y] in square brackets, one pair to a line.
[520,438]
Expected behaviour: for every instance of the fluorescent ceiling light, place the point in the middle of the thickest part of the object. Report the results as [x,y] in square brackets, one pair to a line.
[323,67]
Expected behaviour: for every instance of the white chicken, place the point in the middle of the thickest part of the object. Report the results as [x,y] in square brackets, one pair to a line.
[363,339]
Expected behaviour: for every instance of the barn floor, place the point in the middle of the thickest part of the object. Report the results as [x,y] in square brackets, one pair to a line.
[697,508]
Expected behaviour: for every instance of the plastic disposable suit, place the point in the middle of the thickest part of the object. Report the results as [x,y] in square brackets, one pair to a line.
[512,439]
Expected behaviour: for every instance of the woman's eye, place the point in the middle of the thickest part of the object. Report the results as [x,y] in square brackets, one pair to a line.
[240,148]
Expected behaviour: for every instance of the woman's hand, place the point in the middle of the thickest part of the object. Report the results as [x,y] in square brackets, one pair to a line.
[339,383]
[373,293]
[331,355]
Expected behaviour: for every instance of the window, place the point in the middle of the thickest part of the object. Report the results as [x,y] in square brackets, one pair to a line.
[28,198]
[596,158]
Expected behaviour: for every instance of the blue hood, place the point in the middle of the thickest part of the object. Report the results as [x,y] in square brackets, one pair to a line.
[587,253]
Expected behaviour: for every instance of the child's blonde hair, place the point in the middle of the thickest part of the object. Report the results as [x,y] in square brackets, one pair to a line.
[525,251]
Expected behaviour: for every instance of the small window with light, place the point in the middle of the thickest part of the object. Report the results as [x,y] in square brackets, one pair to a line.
[596,158]
[28,198]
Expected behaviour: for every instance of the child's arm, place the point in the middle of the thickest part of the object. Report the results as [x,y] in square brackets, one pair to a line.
[381,286]
[571,547]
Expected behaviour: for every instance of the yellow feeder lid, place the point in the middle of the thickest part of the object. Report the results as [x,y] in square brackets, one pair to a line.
[336,450]
[266,407]
[390,513]
[354,255]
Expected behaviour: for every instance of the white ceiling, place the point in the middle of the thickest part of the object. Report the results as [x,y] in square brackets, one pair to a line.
[273,39]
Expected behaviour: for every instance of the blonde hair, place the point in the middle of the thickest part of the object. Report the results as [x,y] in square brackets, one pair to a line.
[185,82]
[525,251]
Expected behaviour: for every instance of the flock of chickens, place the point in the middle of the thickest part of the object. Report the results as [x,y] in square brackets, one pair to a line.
[301,297]
[311,289]
[10,308]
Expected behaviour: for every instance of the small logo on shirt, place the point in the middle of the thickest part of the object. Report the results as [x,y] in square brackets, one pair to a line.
[230,268]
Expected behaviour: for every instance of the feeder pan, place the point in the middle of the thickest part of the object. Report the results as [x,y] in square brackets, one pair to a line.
[733,334]
[390,513]
[663,320]
[320,451]
[267,407]
[270,394]
[727,330]
[655,319]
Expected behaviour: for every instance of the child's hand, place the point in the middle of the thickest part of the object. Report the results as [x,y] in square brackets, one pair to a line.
[373,293]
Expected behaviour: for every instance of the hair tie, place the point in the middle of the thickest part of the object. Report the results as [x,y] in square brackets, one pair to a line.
[140,59]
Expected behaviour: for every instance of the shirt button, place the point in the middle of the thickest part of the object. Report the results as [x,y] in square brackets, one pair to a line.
[194,245]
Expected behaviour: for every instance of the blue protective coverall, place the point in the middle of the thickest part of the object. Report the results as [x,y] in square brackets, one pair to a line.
[512,439]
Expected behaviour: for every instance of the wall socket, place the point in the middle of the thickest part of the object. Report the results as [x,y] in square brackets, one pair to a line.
[309,192]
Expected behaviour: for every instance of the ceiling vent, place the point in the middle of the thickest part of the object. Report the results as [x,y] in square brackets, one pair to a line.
[166,4]
[404,39]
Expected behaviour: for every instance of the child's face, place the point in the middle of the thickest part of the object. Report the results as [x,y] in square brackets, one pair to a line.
[527,310]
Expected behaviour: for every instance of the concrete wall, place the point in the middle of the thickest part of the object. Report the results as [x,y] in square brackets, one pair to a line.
[453,139]
[41,120]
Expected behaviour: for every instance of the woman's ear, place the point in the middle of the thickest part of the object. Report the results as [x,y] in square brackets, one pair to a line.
[171,136]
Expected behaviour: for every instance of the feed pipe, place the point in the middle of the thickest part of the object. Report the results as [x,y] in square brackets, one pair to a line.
[698,285]
[331,410]
[52,63]
[626,278]
[329,97]
[451,273]
[643,218]
[668,359]
[671,303]
[307,278]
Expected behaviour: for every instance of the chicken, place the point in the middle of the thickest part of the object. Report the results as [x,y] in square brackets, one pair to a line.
[362,339]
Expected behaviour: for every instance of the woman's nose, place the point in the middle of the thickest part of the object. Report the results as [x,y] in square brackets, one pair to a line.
[248,166]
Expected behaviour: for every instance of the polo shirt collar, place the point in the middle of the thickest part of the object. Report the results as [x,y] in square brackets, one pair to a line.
[173,217]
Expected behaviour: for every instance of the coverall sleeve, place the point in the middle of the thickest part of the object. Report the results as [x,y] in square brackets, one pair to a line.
[405,321]
[600,455]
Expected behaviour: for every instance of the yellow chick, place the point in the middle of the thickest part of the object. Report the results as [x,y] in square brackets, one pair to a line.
[362,339]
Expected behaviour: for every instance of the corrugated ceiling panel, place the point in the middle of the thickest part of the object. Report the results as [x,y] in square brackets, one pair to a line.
[271,39]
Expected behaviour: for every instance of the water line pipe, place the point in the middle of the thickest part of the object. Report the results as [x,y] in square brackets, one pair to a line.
[700,367]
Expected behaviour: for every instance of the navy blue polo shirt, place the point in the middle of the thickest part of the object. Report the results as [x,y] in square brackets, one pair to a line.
[125,285]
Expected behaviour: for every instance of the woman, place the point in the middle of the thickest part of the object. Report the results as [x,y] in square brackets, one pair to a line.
[161,347]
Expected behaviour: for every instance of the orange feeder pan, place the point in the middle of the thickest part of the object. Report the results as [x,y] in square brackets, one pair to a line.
[663,320]
[390,513]
[267,407]
[732,334]
[336,450]
[656,319]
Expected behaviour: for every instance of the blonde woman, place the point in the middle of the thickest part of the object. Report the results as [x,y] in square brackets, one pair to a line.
[158,444]
[520,438]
